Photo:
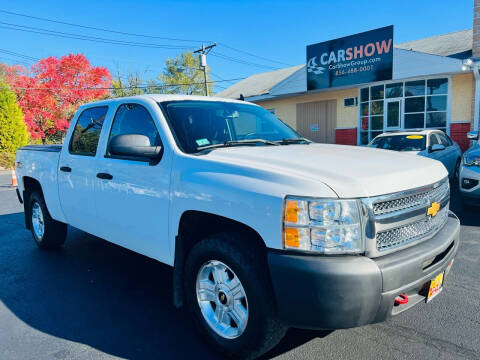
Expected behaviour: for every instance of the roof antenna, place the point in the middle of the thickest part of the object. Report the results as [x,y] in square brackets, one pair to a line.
[242,97]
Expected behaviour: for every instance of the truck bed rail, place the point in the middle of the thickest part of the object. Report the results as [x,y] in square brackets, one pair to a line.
[49,148]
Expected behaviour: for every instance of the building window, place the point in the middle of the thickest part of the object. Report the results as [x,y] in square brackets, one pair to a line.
[412,105]
[350,101]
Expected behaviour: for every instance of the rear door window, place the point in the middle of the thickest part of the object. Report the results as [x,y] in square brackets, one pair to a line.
[85,136]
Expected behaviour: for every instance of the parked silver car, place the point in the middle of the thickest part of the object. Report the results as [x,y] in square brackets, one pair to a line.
[434,144]
[469,171]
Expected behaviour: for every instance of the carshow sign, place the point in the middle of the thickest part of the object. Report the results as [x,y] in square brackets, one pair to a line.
[360,58]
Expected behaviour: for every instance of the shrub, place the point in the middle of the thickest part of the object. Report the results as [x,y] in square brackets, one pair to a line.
[13,132]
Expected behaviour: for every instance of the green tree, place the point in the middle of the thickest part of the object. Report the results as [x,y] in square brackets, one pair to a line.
[13,132]
[133,84]
[185,74]
[129,85]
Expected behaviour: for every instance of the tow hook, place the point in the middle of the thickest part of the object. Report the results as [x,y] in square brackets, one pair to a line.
[401,299]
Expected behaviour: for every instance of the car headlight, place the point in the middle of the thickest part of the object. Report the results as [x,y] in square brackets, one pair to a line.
[471,160]
[327,226]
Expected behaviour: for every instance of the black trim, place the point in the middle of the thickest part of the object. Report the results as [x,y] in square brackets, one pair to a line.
[178,266]
[18,195]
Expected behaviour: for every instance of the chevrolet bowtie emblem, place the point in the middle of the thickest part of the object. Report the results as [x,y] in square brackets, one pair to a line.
[433,209]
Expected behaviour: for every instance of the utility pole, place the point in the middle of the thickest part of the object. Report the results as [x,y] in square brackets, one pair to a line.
[203,51]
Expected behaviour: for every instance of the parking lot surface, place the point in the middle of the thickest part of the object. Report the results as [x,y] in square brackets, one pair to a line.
[95,300]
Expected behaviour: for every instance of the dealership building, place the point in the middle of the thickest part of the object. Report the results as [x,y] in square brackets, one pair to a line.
[428,83]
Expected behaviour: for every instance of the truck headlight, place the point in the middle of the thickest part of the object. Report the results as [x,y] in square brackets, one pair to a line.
[327,226]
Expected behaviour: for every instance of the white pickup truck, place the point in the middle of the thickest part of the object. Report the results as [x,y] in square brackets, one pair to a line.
[265,230]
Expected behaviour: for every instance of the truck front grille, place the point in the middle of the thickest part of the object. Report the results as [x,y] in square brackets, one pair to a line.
[411,201]
[401,219]
[408,233]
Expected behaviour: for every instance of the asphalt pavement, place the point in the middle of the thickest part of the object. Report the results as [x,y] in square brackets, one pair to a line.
[95,300]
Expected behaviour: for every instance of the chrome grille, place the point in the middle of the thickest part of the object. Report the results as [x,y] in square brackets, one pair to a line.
[397,220]
[411,201]
[408,233]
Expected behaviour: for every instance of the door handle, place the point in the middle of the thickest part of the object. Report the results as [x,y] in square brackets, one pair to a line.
[65,169]
[104,176]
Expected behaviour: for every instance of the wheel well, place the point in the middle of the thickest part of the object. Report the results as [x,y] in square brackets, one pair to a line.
[29,185]
[197,225]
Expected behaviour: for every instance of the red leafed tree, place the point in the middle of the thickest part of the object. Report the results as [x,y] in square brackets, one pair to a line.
[52,89]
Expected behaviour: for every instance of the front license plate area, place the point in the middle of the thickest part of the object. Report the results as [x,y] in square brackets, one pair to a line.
[436,286]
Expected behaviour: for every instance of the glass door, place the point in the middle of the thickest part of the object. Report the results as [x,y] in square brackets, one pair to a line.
[393,114]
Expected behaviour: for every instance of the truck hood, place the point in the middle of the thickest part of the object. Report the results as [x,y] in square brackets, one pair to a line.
[350,171]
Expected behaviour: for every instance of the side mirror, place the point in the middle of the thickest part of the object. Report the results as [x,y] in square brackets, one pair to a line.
[134,146]
[473,135]
[436,147]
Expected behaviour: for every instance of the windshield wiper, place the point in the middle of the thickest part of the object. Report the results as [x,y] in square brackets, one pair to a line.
[293,141]
[238,143]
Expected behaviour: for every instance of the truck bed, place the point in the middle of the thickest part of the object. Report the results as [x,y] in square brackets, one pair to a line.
[40,163]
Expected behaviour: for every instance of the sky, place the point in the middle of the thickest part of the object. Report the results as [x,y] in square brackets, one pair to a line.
[269,34]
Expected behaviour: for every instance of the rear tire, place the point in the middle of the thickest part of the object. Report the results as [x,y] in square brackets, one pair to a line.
[259,328]
[48,233]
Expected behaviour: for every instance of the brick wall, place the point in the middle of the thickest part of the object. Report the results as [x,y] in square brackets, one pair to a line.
[458,133]
[346,136]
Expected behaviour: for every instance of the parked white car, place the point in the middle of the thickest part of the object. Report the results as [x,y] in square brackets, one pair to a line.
[469,173]
[434,144]
[265,230]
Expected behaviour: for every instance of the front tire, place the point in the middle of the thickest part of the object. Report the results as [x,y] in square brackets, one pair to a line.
[230,298]
[47,232]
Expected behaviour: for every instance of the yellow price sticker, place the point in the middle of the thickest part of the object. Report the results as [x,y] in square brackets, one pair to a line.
[415,137]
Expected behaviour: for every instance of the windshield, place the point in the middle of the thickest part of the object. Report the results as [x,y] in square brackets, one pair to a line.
[202,124]
[400,142]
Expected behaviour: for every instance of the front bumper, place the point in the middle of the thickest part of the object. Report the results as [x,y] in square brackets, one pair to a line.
[471,173]
[336,292]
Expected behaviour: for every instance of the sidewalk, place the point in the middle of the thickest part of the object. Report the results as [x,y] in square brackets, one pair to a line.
[5,180]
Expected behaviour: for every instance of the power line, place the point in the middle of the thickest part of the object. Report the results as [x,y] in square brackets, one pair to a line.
[27,57]
[62,34]
[148,86]
[100,29]
[240,61]
[15,60]
[253,55]
[225,57]
[96,39]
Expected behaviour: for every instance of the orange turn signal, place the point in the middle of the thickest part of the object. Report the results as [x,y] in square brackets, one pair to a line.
[292,237]
[291,211]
